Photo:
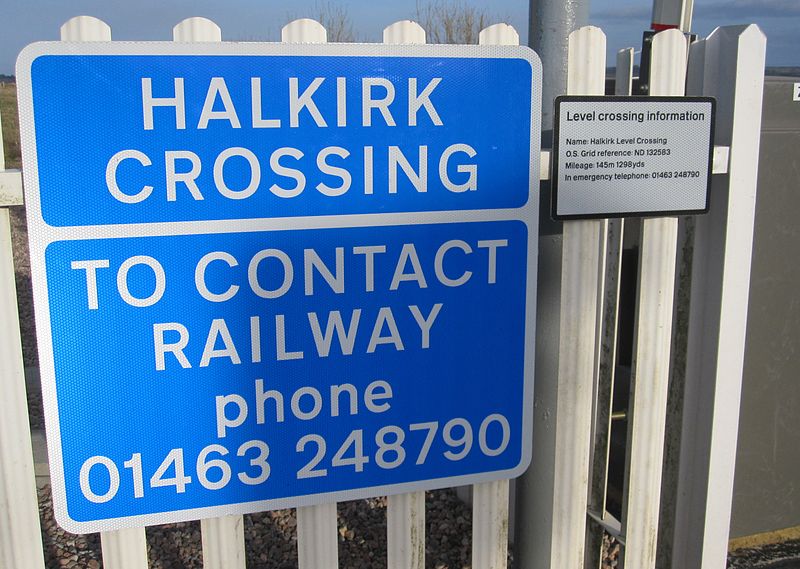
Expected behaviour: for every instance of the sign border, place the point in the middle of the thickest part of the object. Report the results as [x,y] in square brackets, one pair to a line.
[42,234]
[622,99]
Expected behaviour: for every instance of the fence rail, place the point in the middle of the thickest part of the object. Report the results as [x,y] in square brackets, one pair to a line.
[20,534]
[589,290]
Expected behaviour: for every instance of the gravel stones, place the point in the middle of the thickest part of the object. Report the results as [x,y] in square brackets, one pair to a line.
[784,555]
[63,549]
[610,552]
[271,538]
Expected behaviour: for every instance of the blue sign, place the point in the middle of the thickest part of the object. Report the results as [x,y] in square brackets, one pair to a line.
[283,277]
[217,137]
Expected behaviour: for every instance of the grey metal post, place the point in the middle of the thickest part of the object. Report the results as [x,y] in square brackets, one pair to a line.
[551,22]
[672,14]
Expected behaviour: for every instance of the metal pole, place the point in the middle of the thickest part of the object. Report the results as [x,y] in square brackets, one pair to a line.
[551,22]
[668,14]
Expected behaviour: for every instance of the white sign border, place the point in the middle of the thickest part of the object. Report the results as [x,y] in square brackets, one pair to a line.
[41,235]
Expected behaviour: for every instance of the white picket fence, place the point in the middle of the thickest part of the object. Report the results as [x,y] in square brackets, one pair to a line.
[727,65]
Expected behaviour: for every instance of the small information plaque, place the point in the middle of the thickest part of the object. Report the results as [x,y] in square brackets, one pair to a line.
[631,156]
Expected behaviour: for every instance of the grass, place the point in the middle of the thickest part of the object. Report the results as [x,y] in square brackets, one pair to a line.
[10,121]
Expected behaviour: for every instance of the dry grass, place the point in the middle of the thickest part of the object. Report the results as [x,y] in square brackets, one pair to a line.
[10,120]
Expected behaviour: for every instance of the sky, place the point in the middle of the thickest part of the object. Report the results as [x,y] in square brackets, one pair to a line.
[27,21]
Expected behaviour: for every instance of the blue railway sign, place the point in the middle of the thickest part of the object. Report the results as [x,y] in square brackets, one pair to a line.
[274,275]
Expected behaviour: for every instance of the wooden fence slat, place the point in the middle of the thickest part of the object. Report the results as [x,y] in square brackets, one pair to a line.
[730,67]
[223,542]
[650,374]
[122,549]
[581,289]
[404,32]
[623,77]
[304,30]
[317,541]
[196,29]
[721,159]
[544,164]
[490,525]
[677,382]
[405,531]
[223,538]
[623,86]
[405,512]
[10,186]
[490,500]
[498,34]
[317,538]
[604,391]
[607,358]
[20,532]
[85,28]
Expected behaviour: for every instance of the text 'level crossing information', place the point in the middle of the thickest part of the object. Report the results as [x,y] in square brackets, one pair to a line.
[631,156]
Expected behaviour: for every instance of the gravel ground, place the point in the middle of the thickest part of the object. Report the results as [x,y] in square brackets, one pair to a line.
[271,538]
[784,555]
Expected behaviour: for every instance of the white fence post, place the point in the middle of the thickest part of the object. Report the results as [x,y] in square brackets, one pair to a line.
[490,525]
[404,32]
[20,533]
[623,78]
[223,542]
[196,29]
[653,336]
[317,538]
[405,515]
[608,312]
[728,65]
[223,538]
[405,531]
[490,499]
[581,290]
[304,30]
[123,549]
[85,28]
